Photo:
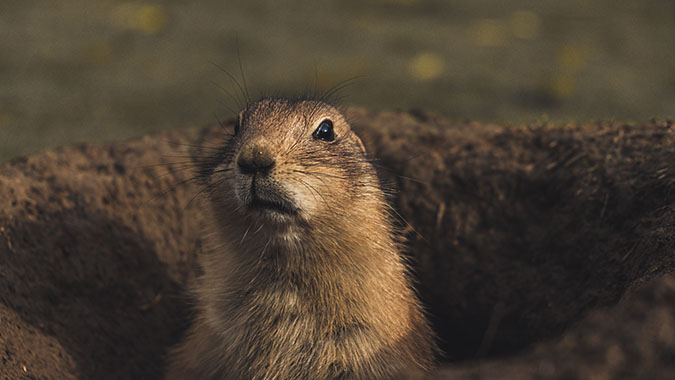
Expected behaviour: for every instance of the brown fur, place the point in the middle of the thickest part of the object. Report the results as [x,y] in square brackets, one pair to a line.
[321,293]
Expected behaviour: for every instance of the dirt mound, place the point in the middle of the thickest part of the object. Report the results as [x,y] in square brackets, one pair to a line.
[545,250]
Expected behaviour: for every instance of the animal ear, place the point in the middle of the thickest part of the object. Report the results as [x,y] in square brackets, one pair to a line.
[358,140]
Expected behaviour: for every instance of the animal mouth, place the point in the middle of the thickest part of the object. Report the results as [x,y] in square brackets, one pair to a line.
[264,198]
[276,205]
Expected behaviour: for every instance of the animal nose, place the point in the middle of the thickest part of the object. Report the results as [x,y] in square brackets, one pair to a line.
[255,158]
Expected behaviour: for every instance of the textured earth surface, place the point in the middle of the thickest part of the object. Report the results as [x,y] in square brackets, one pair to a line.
[545,251]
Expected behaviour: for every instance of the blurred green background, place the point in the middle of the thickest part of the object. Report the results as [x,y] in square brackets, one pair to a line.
[85,71]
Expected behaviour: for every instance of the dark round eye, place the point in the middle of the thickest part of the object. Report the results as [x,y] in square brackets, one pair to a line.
[325,131]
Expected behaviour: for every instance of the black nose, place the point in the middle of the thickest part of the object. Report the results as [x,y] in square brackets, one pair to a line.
[255,159]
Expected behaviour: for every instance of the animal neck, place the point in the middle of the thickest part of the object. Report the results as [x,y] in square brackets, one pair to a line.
[320,257]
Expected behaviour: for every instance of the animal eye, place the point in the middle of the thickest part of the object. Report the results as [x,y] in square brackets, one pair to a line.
[325,131]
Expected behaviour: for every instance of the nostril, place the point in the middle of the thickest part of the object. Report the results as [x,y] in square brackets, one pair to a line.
[245,166]
[255,161]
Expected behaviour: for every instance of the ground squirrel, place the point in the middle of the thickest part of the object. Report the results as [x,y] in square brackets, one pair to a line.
[303,278]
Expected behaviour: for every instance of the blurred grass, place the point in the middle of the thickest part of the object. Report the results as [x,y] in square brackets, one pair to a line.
[85,71]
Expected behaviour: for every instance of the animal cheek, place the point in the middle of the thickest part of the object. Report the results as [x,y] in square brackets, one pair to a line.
[304,195]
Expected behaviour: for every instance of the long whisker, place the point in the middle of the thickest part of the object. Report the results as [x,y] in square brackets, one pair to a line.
[202,146]
[224,170]
[319,173]
[164,164]
[172,187]
[294,145]
[395,212]
[228,134]
[316,158]
[243,77]
[173,170]
[236,83]
[202,190]
[327,95]
[228,93]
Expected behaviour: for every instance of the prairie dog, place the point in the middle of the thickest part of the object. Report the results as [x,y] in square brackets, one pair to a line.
[303,278]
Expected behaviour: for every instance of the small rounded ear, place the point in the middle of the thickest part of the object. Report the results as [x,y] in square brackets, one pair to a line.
[358,140]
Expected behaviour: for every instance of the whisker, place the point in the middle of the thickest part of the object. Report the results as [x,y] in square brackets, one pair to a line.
[259,228]
[190,157]
[236,83]
[173,170]
[202,146]
[171,188]
[165,164]
[319,173]
[223,170]
[241,72]
[222,124]
[202,190]
[228,93]
[338,87]
[395,212]
[245,233]
[319,156]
